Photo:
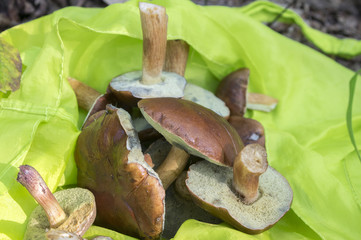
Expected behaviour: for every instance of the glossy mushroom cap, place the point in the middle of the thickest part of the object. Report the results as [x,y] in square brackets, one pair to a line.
[233,91]
[250,130]
[194,128]
[129,194]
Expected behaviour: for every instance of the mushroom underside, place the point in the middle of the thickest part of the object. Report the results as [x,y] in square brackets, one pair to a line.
[211,188]
[76,203]
[171,86]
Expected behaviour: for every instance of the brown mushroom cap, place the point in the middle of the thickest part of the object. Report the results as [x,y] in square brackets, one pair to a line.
[211,188]
[129,194]
[233,91]
[194,128]
[250,130]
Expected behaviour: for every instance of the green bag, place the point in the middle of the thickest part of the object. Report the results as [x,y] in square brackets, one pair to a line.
[306,135]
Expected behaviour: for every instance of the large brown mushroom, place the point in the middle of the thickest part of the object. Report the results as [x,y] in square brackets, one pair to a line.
[129,194]
[71,210]
[251,197]
[193,128]
[151,81]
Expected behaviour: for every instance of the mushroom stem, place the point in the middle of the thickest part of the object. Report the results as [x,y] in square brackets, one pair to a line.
[249,164]
[34,183]
[85,95]
[154,26]
[172,166]
[176,56]
[261,102]
[176,160]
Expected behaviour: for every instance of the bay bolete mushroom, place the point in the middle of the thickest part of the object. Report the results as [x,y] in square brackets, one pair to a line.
[233,91]
[129,194]
[151,81]
[252,197]
[70,210]
[193,128]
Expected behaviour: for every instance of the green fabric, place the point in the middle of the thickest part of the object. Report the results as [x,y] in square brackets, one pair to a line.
[306,135]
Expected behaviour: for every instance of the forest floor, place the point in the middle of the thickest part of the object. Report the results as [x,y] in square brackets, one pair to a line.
[340,18]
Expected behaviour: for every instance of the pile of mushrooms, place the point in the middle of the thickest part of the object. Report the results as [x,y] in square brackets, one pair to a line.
[251,199]
[129,190]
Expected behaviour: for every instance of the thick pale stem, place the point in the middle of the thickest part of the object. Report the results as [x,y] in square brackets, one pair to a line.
[154,26]
[176,56]
[172,166]
[249,164]
[36,186]
[85,95]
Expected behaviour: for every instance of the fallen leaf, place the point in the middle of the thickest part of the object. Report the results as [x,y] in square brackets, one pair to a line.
[10,67]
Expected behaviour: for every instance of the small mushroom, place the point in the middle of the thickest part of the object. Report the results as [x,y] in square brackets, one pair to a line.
[151,81]
[129,194]
[233,91]
[252,197]
[71,210]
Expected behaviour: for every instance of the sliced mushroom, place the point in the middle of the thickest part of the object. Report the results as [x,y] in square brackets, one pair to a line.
[129,194]
[252,197]
[151,81]
[71,210]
